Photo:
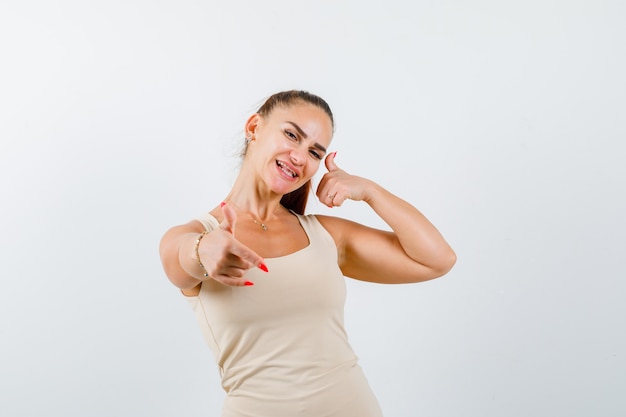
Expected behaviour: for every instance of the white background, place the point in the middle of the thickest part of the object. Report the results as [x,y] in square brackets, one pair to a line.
[502,121]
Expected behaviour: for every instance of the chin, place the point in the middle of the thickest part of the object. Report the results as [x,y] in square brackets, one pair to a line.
[282,189]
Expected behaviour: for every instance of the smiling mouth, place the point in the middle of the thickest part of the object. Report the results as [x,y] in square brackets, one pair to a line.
[286,170]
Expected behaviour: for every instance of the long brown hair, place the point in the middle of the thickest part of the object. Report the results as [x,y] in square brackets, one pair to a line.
[297,199]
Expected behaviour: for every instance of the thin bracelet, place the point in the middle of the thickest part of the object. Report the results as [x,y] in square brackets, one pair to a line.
[205,273]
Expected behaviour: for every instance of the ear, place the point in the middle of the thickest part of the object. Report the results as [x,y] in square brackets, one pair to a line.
[252,125]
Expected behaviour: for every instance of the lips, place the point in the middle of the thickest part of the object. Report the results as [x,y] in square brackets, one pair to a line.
[287,169]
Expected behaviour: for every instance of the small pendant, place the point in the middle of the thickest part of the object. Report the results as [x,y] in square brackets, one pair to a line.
[261,225]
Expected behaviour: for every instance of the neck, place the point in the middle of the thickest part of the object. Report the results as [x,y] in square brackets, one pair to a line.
[258,201]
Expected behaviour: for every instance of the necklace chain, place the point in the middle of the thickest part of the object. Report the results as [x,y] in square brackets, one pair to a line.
[258,223]
[261,225]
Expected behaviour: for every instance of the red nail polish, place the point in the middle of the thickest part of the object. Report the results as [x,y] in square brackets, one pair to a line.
[248,283]
[334,154]
[263,267]
[222,204]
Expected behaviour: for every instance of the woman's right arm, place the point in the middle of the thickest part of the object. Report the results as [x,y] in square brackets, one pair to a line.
[218,253]
[177,250]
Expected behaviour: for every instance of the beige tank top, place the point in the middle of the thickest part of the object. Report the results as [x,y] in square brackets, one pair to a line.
[280,345]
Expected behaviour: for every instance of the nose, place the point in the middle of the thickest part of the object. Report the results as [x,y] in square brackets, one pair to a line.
[297,156]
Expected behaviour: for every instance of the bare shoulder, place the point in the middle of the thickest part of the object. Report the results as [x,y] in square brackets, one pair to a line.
[328,221]
[332,224]
[339,224]
[339,228]
[193,226]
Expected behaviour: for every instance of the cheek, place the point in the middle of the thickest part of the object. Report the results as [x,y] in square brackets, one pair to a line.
[313,167]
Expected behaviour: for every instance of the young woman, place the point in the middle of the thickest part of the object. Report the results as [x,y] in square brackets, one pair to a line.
[267,282]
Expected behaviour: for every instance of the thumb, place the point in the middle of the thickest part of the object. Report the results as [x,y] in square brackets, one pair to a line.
[330,162]
[230,218]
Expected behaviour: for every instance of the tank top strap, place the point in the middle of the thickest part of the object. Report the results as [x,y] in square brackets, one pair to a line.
[209,222]
[315,231]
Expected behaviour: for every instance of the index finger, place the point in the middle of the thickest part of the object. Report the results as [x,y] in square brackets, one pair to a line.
[248,255]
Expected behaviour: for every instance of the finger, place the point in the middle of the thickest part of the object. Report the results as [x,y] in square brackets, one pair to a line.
[330,199]
[325,185]
[248,256]
[233,275]
[330,162]
[240,250]
[320,187]
[233,282]
[324,195]
[230,218]
[340,198]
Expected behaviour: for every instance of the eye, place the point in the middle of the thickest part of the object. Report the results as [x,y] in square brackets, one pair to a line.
[315,154]
[291,135]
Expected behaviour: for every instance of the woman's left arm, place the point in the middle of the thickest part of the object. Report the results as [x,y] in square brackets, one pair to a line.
[413,251]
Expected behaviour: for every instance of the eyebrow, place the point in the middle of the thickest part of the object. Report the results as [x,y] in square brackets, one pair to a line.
[304,135]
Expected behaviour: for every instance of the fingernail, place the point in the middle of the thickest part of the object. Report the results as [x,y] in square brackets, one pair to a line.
[222,204]
[248,283]
[334,154]
[263,267]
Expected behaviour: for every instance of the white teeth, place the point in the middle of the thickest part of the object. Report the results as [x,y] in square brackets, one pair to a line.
[284,168]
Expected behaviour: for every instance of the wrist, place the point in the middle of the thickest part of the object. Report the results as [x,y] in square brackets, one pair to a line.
[370,192]
[205,274]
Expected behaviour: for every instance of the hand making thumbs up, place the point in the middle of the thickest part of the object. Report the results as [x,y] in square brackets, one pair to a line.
[338,186]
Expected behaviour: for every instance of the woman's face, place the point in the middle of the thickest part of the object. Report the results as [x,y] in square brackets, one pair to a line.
[288,145]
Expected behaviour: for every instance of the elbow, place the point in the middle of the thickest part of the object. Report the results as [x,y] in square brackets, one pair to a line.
[450,261]
[434,269]
[169,249]
[447,263]
[443,265]
[177,275]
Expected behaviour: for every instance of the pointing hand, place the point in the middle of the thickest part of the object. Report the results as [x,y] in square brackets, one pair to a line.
[225,259]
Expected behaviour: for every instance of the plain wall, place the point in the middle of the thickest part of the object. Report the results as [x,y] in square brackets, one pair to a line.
[502,121]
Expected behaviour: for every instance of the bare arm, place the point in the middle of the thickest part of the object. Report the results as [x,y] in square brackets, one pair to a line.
[224,258]
[413,251]
[177,250]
